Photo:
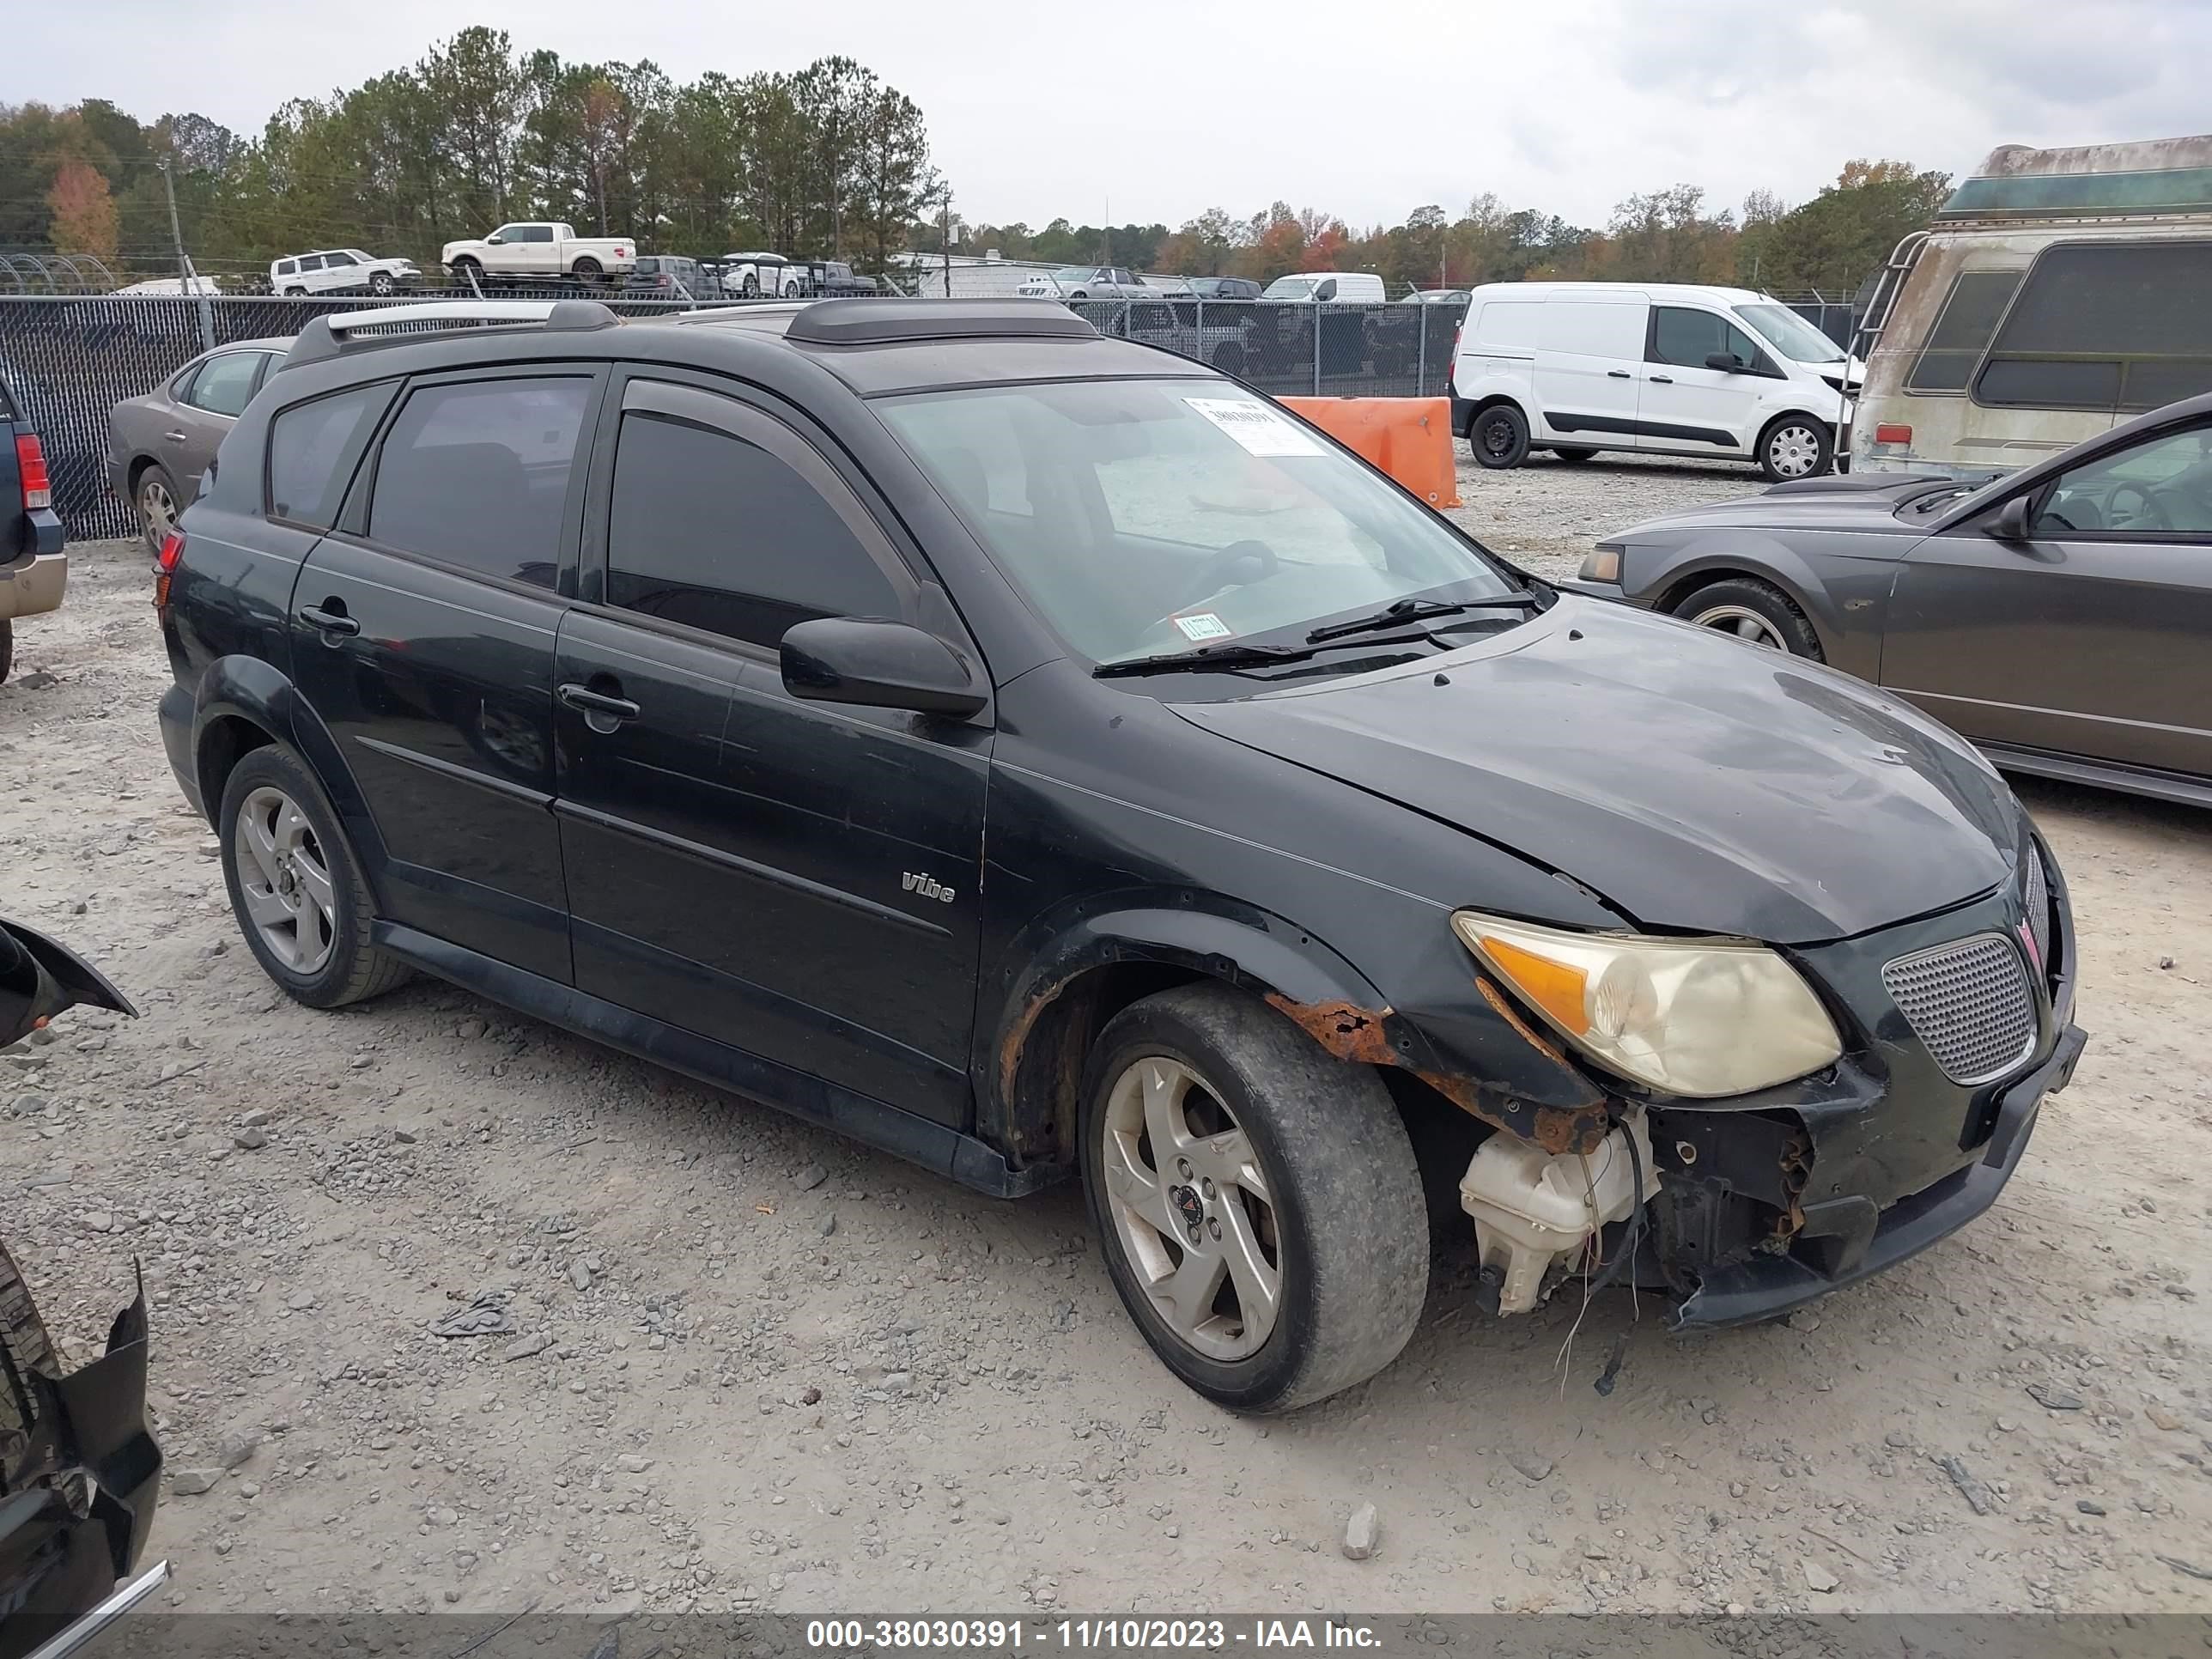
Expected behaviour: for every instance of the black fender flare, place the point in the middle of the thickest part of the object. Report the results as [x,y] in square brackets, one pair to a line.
[1022,1085]
[1026,1064]
[256,692]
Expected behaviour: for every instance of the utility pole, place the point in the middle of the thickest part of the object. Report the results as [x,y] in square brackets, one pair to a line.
[185,284]
[944,241]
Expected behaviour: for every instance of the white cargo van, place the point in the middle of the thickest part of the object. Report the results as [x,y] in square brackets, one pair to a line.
[1661,369]
[1344,287]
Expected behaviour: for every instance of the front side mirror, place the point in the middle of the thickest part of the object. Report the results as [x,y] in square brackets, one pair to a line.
[1327,290]
[495,240]
[1727,362]
[878,664]
[2012,522]
[39,978]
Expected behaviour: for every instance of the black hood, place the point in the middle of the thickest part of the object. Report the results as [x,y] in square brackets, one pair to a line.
[1699,784]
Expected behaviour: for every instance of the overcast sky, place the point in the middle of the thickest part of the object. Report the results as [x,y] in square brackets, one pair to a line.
[1040,108]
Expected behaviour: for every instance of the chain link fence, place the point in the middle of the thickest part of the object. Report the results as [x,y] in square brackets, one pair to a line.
[70,360]
[1296,348]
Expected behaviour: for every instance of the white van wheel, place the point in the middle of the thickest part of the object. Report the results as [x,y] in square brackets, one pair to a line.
[1499,436]
[1796,446]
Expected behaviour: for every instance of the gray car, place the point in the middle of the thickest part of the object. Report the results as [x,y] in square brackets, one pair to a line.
[2060,616]
[158,445]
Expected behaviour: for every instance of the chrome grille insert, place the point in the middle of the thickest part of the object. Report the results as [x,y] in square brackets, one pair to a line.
[1970,1001]
[2035,897]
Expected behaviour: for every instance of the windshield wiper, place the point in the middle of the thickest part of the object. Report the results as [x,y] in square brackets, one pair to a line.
[1204,656]
[1406,611]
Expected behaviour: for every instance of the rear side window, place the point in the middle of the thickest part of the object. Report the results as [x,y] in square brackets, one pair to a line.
[1589,329]
[1510,323]
[224,385]
[1962,331]
[312,451]
[719,534]
[476,473]
[1684,338]
[2109,327]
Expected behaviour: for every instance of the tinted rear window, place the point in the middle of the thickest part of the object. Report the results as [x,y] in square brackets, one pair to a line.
[476,473]
[312,451]
[2105,328]
[1962,331]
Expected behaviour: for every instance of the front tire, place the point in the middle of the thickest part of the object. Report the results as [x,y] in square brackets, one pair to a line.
[381,285]
[7,648]
[468,273]
[296,887]
[154,495]
[1499,436]
[1257,1201]
[1756,612]
[1796,446]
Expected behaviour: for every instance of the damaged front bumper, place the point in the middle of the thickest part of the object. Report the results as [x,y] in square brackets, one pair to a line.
[1764,1284]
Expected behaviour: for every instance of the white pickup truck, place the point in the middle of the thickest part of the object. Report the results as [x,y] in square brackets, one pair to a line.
[539,249]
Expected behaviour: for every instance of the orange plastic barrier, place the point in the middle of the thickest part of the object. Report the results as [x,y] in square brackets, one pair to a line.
[1409,438]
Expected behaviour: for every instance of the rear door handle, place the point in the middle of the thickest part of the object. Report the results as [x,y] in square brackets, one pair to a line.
[612,709]
[333,622]
[174,437]
[1662,379]
[1617,374]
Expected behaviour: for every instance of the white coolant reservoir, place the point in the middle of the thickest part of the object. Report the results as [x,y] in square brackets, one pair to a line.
[1532,1207]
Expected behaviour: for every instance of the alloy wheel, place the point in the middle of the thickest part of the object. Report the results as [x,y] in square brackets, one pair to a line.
[159,510]
[1794,451]
[1744,622]
[285,880]
[1191,1209]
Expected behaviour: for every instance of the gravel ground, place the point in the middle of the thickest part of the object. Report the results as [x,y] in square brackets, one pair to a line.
[746,1364]
[1547,514]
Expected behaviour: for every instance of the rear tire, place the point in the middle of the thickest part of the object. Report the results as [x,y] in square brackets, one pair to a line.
[1310,1256]
[588,272]
[331,962]
[154,495]
[1796,446]
[1499,436]
[7,648]
[1754,611]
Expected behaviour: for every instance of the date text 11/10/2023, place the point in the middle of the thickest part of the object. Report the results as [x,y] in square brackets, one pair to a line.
[1103,1634]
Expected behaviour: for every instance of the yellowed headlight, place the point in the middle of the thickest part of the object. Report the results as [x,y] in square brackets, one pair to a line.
[1697,1018]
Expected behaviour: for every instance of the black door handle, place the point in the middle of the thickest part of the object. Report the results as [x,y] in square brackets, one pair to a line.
[1617,374]
[588,703]
[1662,379]
[330,621]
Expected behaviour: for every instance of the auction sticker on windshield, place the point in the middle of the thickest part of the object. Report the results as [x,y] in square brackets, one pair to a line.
[1204,626]
[1259,429]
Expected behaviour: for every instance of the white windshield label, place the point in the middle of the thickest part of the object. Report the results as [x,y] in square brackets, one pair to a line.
[1259,429]
[1204,626]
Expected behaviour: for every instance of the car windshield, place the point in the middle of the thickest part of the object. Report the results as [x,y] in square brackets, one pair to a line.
[1790,334]
[1074,274]
[1143,517]
[1291,288]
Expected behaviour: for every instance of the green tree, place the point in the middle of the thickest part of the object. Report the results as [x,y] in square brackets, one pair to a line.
[1846,232]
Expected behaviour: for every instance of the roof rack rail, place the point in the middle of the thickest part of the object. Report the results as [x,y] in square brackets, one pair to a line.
[325,337]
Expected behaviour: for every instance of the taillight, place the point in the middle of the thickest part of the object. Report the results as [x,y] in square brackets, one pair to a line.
[1892,432]
[31,463]
[165,561]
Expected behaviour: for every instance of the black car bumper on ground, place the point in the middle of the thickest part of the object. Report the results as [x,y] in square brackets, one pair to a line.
[1764,1286]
